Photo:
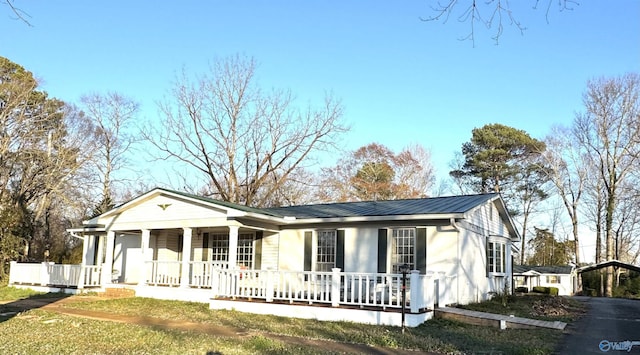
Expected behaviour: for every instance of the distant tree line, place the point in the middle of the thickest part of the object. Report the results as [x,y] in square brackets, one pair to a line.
[591,166]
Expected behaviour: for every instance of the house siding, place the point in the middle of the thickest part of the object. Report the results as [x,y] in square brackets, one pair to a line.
[290,257]
[474,283]
[270,243]
[196,247]
[175,209]
[360,249]
[167,246]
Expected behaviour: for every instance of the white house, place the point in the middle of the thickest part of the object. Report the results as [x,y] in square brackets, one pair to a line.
[290,260]
[560,276]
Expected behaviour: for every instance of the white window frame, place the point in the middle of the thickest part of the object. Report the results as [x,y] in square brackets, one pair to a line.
[325,251]
[245,256]
[496,257]
[218,249]
[549,279]
[403,248]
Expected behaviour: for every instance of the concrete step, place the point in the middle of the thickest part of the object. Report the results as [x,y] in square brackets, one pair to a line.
[119,292]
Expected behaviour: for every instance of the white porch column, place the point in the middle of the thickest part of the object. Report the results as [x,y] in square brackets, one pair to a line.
[107,267]
[83,263]
[144,253]
[186,258]
[85,249]
[99,257]
[233,247]
[335,287]
[416,297]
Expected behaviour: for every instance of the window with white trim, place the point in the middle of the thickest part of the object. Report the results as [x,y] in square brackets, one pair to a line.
[553,279]
[326,250]
[403,248]
[218,248]
[245,250]
[496,257]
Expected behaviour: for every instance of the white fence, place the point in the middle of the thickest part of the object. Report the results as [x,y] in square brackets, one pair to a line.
[335,288]
[168,273]
[50,274]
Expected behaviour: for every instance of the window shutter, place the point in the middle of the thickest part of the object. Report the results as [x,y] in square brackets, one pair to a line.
[205,247]
[421,250]
[308,250]
[340,249]
[382,250]
[257,262]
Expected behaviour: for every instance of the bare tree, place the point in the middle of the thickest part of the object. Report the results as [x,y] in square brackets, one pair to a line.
[568,171]
[246,143]
[609,129]
[492,14]
[113,115]
[18,13]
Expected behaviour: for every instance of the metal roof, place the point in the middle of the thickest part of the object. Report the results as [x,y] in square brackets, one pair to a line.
[552,269]
[423,206]
[614,263]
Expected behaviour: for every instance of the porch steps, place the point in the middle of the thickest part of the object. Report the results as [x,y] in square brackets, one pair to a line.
[119,292]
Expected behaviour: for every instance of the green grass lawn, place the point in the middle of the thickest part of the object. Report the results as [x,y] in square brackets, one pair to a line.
[39,331]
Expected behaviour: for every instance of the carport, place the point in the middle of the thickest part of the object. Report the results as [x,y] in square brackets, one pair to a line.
[616,264]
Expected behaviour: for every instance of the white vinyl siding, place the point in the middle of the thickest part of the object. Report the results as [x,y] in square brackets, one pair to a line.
[270,250]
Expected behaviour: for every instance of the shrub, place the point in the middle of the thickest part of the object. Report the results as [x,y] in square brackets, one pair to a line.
[553,291]
[522,289]
[539,289]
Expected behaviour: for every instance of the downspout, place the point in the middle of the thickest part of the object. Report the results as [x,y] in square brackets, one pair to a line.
[452,221]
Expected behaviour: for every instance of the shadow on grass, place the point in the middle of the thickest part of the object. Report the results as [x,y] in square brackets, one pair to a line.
[10,309]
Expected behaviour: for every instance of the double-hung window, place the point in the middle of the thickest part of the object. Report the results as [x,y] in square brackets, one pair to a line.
[496,257]
[217,249]
[245,250]
[326,250]
[403,248]
[553,279]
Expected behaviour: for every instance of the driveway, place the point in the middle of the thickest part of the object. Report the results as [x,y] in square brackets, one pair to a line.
[611,326]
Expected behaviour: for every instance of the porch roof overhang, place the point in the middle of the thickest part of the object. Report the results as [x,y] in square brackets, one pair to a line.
[86,229]
[527,273]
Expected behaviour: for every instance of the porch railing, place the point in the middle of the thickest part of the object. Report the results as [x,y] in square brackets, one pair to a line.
[169,273]
[201,272]
[50,274]
[163,273]
[335,288]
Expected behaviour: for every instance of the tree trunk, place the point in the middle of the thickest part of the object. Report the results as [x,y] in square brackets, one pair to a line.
[524,232]
[576,244]
[609,242]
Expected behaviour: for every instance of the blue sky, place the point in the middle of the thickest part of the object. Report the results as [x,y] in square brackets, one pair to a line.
[400,79]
